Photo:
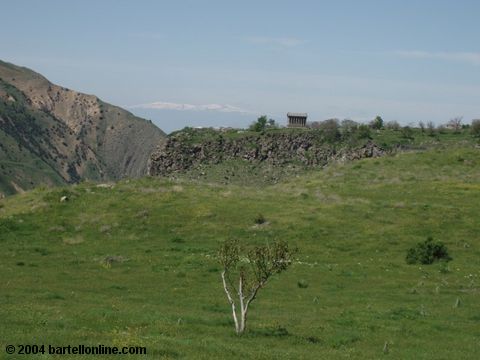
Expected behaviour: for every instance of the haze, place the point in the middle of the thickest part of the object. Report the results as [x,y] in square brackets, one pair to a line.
[217,63]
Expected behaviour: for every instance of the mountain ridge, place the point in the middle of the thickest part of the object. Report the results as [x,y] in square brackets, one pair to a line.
[76,136]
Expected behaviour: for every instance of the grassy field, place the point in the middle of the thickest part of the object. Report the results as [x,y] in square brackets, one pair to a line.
[348,294]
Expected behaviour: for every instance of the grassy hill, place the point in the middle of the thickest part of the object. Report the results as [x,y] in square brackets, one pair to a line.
[134,264]
[252,158]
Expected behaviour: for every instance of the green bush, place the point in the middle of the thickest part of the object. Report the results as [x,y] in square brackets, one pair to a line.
[427,252]
[260,124]
[407,133]
[364,132]
[330,130]
[260,219]
[377,123]
[302,284]
[475,128]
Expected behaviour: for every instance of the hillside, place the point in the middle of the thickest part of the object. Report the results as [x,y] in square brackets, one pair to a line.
[53,135]
[134,264]
[190,149]
[253,158]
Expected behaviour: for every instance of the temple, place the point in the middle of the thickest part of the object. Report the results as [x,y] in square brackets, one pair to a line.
[297,119]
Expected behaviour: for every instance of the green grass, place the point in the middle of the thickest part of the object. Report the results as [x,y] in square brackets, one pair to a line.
[353,224]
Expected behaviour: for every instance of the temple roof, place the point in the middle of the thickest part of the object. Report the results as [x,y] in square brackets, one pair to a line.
[291,114]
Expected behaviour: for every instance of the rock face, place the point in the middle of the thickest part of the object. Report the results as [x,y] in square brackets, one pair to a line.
[63,136]
[183,151]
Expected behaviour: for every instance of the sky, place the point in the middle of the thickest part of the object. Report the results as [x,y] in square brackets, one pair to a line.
[224,63]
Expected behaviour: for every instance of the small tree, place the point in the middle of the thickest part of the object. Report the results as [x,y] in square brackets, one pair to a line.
[377,123]
[392,125]
[421,125]
[475,128]
[427,252]
[407,132]
[348,130]
[455,124]
[254,270]
[430,128]
[348,126]
[330,129]
[364,132]
[260,124]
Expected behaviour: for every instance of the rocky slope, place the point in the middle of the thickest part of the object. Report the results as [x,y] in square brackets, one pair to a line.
[187,150]
[50,134]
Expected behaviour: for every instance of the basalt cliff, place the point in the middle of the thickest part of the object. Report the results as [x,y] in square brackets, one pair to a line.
[187,150]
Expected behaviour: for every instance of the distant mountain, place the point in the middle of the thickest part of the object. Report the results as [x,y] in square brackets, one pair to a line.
[173,120]
[53,135]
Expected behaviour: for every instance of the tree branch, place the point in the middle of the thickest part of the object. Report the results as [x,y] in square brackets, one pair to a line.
[230,282]
[254,294]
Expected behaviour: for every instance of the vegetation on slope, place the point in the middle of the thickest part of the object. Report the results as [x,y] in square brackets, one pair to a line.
[65,136]
[134,264]
[233,156]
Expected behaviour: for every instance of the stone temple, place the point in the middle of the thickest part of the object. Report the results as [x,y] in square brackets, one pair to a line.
[297,119]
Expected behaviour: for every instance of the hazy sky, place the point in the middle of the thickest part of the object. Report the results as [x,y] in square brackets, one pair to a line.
[405,60]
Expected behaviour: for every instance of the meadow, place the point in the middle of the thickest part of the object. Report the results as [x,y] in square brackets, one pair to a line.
[134,263]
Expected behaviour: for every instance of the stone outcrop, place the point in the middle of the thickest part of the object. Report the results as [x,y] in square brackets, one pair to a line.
[181,151]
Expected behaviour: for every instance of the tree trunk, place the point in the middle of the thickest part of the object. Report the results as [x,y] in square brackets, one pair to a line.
[244,302]
[232,303]
[242,306]
[243,321]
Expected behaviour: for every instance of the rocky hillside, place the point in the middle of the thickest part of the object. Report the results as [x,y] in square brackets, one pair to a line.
[50,134]
[192,148]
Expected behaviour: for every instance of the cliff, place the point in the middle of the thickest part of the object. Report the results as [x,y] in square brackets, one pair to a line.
[187,150]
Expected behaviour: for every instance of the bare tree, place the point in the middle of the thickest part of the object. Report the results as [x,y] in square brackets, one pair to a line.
[421,125]
[330,128]
[430,128]
[253,271]
[455,123]
[393,125]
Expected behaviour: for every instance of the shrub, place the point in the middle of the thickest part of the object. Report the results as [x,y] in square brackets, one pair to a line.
[260,219]
[392,125]
[277,331]
[260,124]
[442,129]
[427,252]
[177,240]
[302,284]
[313,339]
[364,132]
[271,123]
[475,128]
[348,127]
[330,129]
[407,133]
[377,123]
[430,128]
